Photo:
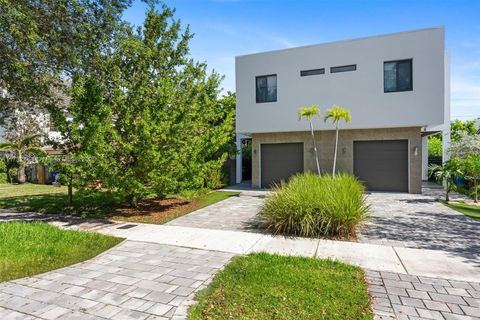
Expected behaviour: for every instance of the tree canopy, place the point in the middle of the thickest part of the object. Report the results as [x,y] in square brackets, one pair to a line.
[43,42]
[458,129]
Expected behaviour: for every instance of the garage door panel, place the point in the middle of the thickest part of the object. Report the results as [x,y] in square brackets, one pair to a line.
[279,161]
[382,165]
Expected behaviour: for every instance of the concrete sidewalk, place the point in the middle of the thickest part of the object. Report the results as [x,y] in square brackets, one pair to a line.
[419,262]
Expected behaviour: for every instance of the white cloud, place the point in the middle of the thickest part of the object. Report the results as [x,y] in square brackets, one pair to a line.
[253,39]
[465,97]
[462,88]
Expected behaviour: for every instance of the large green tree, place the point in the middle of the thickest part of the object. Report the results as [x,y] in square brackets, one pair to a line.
[152,123]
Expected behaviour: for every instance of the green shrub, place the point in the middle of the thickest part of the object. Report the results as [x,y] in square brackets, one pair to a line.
[3,172]
[313,206]
[192,194]
[3,178]
[13,175]
[3,166]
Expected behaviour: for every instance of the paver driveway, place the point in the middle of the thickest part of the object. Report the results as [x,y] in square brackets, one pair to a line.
[418,221]
[134,280]
[235,214]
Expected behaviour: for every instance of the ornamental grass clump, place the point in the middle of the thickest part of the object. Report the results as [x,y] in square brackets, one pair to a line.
[316,206]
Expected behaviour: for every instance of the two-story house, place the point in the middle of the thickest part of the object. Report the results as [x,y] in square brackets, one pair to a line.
[396,87]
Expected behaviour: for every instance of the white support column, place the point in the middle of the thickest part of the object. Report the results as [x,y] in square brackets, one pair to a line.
[446,124]
[424,158]
[446,143]
[239,177]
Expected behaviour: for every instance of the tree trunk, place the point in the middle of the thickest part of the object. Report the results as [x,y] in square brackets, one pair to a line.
[70,191]
[21,169]
[476,192]
[315,148]
[335,152]
[447,198]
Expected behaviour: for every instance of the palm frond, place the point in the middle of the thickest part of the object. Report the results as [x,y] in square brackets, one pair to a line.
[29,139]
[7,146]
[36,151]
[309,112]
[336,114]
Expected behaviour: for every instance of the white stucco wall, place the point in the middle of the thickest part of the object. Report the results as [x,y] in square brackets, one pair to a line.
[361,91]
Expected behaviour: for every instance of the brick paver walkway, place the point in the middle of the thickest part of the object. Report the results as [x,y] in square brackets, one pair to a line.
[234,214]
[402,296]
[134,280]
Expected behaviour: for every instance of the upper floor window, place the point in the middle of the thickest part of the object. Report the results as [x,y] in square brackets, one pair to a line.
[397,76]
[351,67]
[312,72]
[266,88]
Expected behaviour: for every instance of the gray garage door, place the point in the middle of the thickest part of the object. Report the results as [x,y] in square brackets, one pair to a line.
[382,165]
[280,161]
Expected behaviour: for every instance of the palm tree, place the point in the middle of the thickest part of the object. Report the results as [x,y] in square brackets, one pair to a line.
[446,173]
[20,148]
[336,114]
[309,113]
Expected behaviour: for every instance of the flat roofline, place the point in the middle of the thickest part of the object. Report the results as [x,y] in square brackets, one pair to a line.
[345,40]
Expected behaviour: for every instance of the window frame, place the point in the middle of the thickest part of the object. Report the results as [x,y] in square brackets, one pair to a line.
[332,69]
[312,72]
[256,93]
[396,76]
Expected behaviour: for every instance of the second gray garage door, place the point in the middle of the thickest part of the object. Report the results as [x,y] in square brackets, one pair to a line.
[279,161]
[382,165]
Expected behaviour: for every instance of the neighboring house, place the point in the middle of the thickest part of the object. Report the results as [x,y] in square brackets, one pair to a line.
[34,120]
[38,121]
[396,87]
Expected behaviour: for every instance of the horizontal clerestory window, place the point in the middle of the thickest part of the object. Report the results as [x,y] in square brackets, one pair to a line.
[351,67]
[312,72]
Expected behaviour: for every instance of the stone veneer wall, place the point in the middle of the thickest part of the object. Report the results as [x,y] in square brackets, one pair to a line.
[325,146]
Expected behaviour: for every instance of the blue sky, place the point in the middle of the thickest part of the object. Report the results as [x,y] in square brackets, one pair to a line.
[227,28]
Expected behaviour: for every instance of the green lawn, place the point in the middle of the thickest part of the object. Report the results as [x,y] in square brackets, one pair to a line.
[473,211]
[52,199]
[214,197]
[28,189]
[263,286]
[97,204]
[32,248]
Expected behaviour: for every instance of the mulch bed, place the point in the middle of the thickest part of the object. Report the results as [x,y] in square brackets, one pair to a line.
[156,210]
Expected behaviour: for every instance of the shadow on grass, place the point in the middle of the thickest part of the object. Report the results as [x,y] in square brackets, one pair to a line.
[85,204]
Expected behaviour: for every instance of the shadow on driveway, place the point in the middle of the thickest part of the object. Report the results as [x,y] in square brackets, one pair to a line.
[418,221]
